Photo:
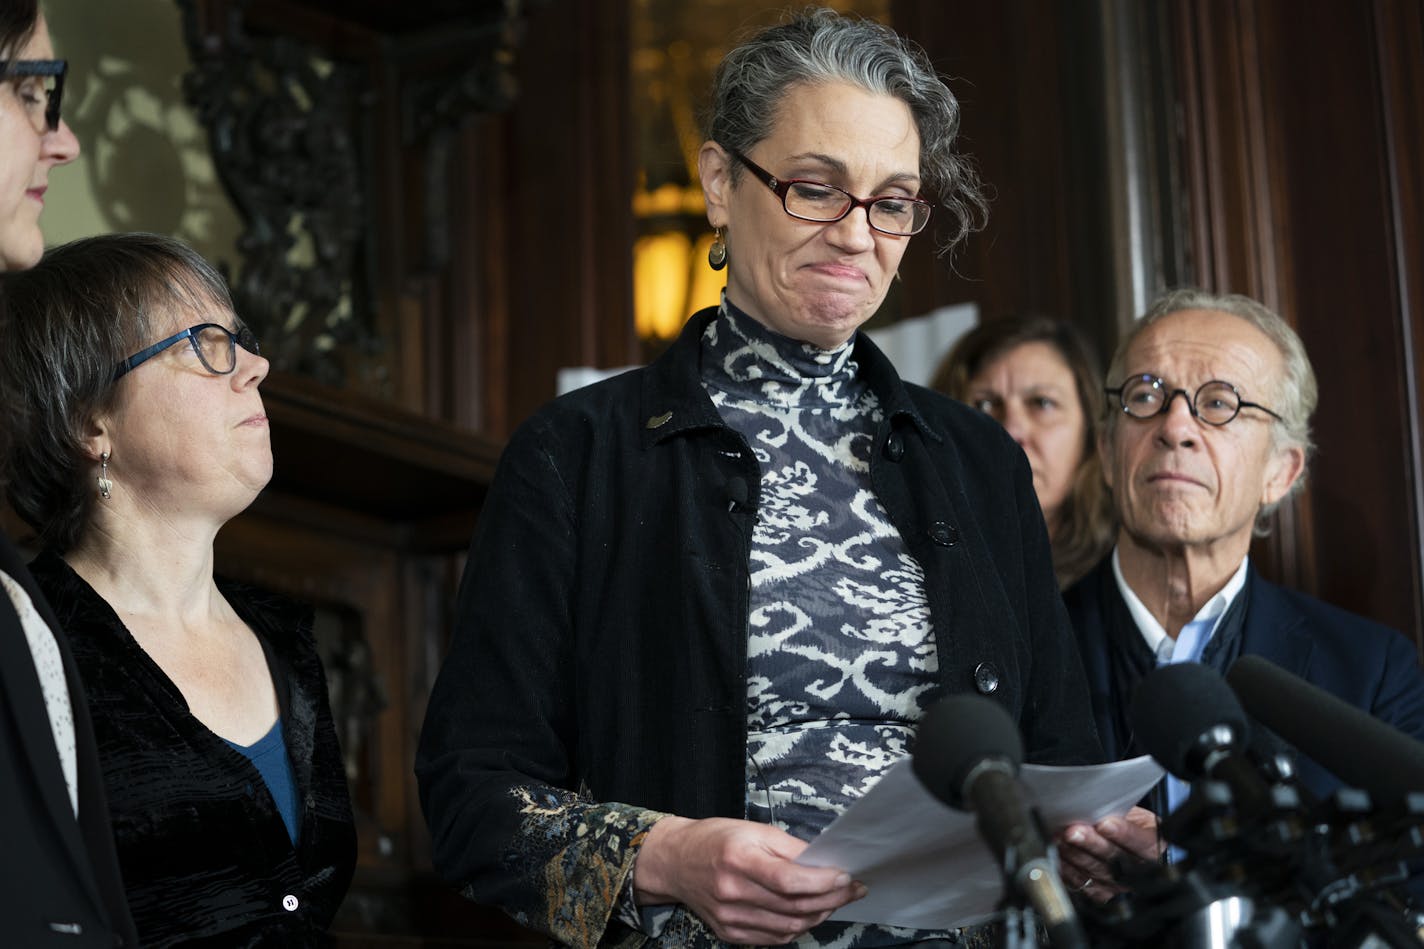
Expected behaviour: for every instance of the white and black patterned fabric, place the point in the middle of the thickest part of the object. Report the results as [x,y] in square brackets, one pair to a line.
[840,651]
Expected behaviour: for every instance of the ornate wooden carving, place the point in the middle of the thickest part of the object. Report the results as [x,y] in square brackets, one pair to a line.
[288,92]
[287,128]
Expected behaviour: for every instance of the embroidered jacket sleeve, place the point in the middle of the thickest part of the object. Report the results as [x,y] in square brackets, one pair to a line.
[496,762]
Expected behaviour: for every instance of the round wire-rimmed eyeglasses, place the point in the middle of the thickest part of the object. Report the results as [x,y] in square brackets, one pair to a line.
[1215,403]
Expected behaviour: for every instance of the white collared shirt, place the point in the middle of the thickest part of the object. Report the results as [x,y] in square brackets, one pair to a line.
[1187,647]
[1195,634]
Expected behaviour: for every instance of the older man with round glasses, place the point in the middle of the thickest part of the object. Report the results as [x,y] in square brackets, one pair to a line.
[1192,479]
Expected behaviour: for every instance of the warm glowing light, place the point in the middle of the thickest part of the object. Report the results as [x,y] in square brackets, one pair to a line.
[660,284]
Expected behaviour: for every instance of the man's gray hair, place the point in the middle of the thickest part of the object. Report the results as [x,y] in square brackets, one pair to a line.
[1294,399]
[821,46]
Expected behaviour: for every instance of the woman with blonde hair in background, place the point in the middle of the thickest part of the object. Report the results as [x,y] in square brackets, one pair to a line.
[1039,378]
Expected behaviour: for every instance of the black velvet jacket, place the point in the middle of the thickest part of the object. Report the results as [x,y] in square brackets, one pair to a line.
[600,648]
[205,856]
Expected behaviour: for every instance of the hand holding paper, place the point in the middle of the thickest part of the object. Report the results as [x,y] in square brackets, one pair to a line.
[923,861]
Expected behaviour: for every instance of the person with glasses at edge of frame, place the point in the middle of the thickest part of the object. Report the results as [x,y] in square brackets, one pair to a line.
[142,433]
[1207,432]
[709,600]
[59,876]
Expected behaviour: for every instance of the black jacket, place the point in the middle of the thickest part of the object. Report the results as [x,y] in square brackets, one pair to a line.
[204,852]
[59,878]
[1370,666]
[600,641]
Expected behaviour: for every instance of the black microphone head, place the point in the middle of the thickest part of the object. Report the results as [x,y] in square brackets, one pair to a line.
[1361,750]
[1185,709]
[958,733]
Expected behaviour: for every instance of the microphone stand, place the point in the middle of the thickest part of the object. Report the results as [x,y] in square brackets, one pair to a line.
[1019,929]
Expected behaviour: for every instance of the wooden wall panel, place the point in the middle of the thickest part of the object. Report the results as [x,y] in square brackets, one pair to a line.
[1027,76]
[565,194]
[1399,34]
[1301,143]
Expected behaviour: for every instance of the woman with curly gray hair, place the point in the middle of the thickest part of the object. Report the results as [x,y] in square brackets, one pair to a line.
[710,600]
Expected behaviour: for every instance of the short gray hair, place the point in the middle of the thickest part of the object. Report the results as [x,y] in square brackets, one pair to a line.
[70,319]
[821,46]
[1295,398]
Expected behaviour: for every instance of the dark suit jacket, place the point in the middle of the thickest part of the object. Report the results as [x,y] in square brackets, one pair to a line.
[1364,663]
[59,878]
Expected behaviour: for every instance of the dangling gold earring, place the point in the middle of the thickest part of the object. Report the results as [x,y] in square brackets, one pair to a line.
[105,485]
[717,253]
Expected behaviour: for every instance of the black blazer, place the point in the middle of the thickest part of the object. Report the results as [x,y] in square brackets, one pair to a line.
[1370,666]
[59,878]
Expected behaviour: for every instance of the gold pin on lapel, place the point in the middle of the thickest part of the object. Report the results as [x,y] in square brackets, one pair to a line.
[658,421]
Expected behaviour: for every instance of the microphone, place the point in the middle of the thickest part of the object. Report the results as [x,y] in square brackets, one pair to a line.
[1361,750]
[1186,717]
[967,754]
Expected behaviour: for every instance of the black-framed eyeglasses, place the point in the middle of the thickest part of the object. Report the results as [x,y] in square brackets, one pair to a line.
[216,346]
[817,201]
[1215,402]
[48,84]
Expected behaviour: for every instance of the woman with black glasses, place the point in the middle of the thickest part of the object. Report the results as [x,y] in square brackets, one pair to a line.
[140,433]
[33,138]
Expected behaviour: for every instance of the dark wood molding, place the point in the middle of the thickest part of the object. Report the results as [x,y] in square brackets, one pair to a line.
[352,452]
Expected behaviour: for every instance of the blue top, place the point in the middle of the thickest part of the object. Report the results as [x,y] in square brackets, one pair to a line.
[269,756]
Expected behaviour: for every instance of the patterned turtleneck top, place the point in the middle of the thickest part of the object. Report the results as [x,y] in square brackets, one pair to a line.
[840,651]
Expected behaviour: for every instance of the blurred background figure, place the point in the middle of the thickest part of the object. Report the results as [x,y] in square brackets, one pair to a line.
[59,877]
[141,433]
[1039,378]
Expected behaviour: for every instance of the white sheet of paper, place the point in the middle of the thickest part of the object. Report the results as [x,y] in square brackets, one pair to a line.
[923,862]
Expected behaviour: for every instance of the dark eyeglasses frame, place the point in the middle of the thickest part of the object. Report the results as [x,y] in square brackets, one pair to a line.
[783,188]
[243,337]
[13,68]
[1171,395]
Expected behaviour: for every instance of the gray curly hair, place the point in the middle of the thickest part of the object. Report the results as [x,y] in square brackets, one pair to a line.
[818,46]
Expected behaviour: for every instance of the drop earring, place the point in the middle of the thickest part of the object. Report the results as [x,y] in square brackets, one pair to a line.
[717,253]
[105,485]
